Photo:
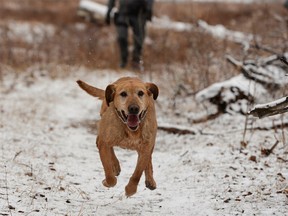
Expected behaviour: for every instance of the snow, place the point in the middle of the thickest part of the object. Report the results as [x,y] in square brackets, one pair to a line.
[27,32]
[219,31]
[93,6]
[50,163]
[272,104]
[166,23]
[239,81]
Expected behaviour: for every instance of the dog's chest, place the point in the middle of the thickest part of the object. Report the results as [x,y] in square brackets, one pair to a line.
[131,142]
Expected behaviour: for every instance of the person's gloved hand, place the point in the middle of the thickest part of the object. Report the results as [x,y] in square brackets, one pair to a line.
[107,18]
[149,15]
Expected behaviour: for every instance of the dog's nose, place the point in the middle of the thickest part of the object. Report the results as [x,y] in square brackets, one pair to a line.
[133,109]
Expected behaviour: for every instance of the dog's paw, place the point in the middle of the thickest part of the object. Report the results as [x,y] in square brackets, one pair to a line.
[150,184]
[109,182]
[116,170]
[130,190]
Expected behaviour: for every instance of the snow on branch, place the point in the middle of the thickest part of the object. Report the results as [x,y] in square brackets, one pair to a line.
[231,95]
[219,31]
[92,11]
[269,109]
[166,23]
[260,78]
[266,71]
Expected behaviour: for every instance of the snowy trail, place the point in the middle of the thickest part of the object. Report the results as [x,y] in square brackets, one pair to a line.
[50,164]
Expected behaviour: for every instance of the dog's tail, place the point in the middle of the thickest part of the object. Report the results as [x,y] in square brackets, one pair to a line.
[95,92]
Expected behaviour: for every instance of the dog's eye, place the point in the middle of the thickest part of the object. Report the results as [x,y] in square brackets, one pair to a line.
[140,93]
[123,94]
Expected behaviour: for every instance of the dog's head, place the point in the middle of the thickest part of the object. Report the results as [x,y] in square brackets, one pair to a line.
[131,98]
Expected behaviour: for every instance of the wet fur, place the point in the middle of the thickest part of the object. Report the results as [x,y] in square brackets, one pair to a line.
[113,132]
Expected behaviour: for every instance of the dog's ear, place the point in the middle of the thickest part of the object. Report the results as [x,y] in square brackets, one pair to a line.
[109,93]
[152,89]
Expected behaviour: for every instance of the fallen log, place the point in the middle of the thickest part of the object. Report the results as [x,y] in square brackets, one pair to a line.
[177,129]
[92,11]
[267,71]
[219,31]
[231,96]
[260,78]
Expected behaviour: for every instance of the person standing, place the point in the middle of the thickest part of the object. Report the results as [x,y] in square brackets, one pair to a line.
[134,14]
[286,4]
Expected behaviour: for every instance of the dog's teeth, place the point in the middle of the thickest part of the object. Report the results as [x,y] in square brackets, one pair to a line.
[142,114]
[124,115]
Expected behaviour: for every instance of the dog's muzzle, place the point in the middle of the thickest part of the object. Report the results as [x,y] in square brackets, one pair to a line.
[132,120]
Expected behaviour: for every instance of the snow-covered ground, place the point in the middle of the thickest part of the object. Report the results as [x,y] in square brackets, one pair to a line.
[50,164]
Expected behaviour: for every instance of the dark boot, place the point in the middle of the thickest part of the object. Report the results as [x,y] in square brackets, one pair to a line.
[123,44]
[137,65]
[123,64]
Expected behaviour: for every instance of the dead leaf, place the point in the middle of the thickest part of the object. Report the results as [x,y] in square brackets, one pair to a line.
[243,144]
[253,158]
[247,194]
[227,200]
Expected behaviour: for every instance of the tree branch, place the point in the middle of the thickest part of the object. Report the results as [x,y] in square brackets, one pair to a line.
[269,109]
[176,129]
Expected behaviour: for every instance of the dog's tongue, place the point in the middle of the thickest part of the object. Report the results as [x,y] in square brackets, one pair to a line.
[132,120]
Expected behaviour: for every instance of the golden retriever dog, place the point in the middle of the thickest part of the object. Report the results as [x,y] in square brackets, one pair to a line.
[128,120]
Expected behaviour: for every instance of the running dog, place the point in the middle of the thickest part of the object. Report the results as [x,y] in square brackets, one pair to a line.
[128,120]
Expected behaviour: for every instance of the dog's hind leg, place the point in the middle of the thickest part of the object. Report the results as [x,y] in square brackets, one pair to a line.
[116,165]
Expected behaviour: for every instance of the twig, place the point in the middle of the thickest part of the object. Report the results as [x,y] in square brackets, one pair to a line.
[6,186]
[17,154]
[184,153]
[282,128]
[267,49]
[284,60]
[244,143]
[281,57]
[267,152]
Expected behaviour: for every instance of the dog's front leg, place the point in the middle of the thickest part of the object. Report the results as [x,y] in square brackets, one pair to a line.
[107,162]
[142,163]
[149,181]
[116,165]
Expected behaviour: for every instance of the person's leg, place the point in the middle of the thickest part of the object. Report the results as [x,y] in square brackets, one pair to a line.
[122,31]
[138,26]
[286,4]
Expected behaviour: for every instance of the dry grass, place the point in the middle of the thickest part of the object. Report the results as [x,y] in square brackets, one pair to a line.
[199,56]
[51,11]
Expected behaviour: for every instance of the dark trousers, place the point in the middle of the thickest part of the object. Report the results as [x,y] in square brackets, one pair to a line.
[137,23]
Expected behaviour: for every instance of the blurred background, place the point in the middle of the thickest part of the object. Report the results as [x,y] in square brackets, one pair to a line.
[49,34]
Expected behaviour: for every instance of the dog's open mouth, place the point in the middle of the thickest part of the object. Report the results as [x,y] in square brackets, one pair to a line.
[132,120]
